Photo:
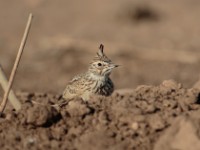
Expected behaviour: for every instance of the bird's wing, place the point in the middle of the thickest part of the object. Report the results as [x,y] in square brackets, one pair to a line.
[75,87]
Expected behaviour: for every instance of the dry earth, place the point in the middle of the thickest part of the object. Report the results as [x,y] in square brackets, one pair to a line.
[149,117]
[153,41]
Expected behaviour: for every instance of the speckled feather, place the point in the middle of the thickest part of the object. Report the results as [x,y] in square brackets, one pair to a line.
[95,81]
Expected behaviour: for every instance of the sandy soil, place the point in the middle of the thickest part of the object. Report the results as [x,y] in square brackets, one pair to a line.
[153,41]
[137,119]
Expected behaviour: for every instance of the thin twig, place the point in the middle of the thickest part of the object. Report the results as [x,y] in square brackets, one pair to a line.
[20,51]
[12,97]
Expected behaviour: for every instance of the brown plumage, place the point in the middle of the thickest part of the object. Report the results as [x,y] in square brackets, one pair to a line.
[95,81]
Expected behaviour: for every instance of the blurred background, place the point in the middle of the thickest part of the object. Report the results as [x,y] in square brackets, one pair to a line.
[151,40]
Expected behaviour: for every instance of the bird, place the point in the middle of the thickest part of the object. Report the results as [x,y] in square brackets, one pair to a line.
[95,81]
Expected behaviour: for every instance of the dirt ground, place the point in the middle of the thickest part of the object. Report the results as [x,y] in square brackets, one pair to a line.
[156,101]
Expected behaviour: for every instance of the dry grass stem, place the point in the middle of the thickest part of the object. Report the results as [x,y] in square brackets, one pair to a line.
[12,97]
[20,51]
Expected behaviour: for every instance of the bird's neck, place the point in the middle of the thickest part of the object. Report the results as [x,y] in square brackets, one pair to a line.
[97,77]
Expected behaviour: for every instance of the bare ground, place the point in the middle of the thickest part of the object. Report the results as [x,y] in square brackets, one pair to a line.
[152,41]
[127,120]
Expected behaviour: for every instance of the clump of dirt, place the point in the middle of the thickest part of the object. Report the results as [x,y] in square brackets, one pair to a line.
[183,134]
[129,119]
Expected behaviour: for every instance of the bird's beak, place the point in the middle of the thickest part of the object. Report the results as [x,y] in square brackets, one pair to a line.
[113,66]
[117,66]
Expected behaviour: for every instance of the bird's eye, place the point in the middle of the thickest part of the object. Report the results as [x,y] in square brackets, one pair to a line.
[99,64]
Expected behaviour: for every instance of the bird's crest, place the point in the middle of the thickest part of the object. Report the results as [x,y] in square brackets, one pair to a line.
[100,55]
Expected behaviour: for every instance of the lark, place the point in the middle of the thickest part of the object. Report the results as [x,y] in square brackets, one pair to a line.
[95,81]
